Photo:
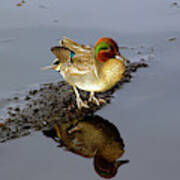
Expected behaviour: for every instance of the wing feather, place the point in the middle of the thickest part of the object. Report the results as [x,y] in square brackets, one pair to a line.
[83,61]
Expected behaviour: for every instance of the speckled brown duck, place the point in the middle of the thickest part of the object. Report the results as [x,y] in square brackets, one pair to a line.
[92,69]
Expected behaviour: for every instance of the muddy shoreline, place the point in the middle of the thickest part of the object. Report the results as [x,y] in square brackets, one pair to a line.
[51,103]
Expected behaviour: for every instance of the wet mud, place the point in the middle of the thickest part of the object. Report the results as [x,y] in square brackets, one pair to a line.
[51,103]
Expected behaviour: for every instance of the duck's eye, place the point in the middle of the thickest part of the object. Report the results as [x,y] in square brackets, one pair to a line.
[104,48]
[72,54]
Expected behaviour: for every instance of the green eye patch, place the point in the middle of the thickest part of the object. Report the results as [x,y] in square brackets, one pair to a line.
[100,46]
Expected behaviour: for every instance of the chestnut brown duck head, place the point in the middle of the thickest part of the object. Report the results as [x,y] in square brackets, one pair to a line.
[106,48]
[107,169]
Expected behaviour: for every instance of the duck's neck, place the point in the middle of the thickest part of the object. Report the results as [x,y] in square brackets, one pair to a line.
[113,151]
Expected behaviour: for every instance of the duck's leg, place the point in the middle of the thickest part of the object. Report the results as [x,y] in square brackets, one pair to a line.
[74,129]
[79,101]
[95,100]
[56,127]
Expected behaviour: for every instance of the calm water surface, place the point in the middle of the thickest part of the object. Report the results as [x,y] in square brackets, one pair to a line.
[146,111]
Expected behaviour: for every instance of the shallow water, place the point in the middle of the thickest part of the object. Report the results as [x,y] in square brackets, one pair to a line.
[146,111]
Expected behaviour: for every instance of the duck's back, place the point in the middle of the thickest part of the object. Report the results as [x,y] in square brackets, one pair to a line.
[83,55]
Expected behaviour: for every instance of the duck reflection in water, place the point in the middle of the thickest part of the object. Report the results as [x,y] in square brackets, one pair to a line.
[92,137]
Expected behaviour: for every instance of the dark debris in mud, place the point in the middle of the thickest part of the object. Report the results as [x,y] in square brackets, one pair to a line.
[172,39]
[51,103]
[175,4]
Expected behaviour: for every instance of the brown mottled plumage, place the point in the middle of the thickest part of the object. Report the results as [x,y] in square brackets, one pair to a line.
[92,69]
